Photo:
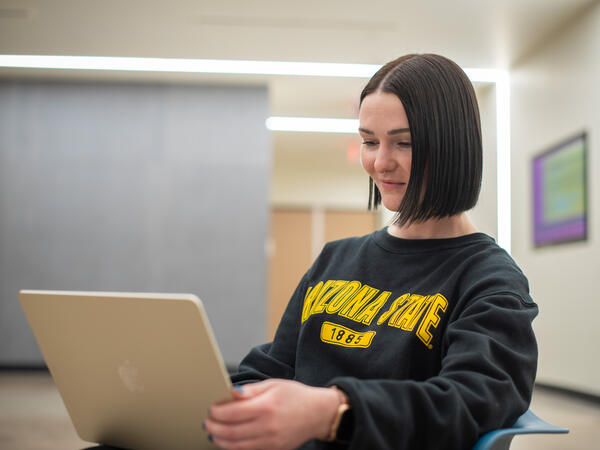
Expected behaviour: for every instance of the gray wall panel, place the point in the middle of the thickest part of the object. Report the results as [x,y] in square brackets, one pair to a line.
[140,188]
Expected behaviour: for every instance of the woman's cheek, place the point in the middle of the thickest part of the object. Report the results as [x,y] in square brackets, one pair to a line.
[365,161]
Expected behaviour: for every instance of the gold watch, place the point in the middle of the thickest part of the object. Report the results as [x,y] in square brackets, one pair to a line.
[342,408]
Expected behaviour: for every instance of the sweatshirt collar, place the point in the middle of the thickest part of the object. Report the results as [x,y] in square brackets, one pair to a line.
[400,245]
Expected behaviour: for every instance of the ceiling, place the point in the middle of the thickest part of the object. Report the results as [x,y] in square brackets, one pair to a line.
[474,33]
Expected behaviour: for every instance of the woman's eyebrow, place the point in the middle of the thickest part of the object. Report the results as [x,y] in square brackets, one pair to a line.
[398,131]
[390,133]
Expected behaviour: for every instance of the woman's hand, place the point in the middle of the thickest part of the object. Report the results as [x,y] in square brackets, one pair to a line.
[273,414]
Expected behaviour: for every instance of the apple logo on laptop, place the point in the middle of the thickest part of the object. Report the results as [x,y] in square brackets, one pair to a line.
[129,374]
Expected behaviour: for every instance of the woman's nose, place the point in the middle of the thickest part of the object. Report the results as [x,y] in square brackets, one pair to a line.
[384,161]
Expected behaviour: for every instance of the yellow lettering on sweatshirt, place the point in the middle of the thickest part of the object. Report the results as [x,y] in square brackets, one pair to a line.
[395,305]
[322,302]
[333,333]
[311,293]
[317,304]
[432,319]
[368,313]
[412,313]
[339,300]
[356,303]
[362,303]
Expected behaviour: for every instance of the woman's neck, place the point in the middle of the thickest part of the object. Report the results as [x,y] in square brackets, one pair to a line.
[447,227]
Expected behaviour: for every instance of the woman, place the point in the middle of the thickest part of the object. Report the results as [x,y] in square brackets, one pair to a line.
[417,336]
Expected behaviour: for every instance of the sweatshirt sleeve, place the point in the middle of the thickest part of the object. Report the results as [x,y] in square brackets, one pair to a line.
[489,359]
[275,359]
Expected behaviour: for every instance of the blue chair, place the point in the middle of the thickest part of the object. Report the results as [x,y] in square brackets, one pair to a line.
[528,423]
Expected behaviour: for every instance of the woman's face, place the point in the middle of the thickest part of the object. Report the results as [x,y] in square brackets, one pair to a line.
[386,151]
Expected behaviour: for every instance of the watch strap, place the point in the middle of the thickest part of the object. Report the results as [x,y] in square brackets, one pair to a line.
[342,408]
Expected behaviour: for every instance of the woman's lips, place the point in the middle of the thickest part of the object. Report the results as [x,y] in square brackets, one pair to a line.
[388,185]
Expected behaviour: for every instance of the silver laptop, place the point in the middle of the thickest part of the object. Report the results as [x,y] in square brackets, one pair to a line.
[134,370]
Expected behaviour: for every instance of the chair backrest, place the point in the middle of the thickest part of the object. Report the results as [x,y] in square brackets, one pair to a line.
[528,423]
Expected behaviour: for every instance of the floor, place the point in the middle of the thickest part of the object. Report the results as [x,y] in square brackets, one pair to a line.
[33,417]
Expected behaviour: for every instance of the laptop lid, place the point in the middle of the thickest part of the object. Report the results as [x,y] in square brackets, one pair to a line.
[134,370]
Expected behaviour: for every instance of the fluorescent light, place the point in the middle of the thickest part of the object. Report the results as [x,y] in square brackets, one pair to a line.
[503,160]
[483,75]
[312,124]
[223,66]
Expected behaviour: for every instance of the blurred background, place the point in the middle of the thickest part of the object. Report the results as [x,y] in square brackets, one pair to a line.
[171,182]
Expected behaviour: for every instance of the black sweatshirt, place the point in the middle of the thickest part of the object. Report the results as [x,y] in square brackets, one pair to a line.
[430,339]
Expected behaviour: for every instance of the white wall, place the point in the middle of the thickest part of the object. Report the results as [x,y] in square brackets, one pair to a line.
[308,187]
[555,94]
[485,213]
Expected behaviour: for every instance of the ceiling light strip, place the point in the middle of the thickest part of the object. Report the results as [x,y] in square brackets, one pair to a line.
[312,124]
[185,65]
[503,187]
[217,66]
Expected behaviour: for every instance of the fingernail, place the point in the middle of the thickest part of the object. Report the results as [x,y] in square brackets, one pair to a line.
[210,438]
[240,389]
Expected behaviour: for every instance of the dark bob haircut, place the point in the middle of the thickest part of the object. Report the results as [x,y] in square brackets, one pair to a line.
[443,116]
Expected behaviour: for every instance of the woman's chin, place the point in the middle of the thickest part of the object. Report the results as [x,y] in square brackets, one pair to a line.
[391,205]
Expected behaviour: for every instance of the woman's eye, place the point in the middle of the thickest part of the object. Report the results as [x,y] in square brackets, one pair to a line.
[404,144]
[369,143]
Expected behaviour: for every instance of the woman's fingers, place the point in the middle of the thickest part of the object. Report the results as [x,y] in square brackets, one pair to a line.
[235,411]
[249,404]
[248,444]
[253,389]
[239,393]
[232,432]
[280,414]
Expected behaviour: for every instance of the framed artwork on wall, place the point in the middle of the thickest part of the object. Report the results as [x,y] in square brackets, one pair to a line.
[560,209]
